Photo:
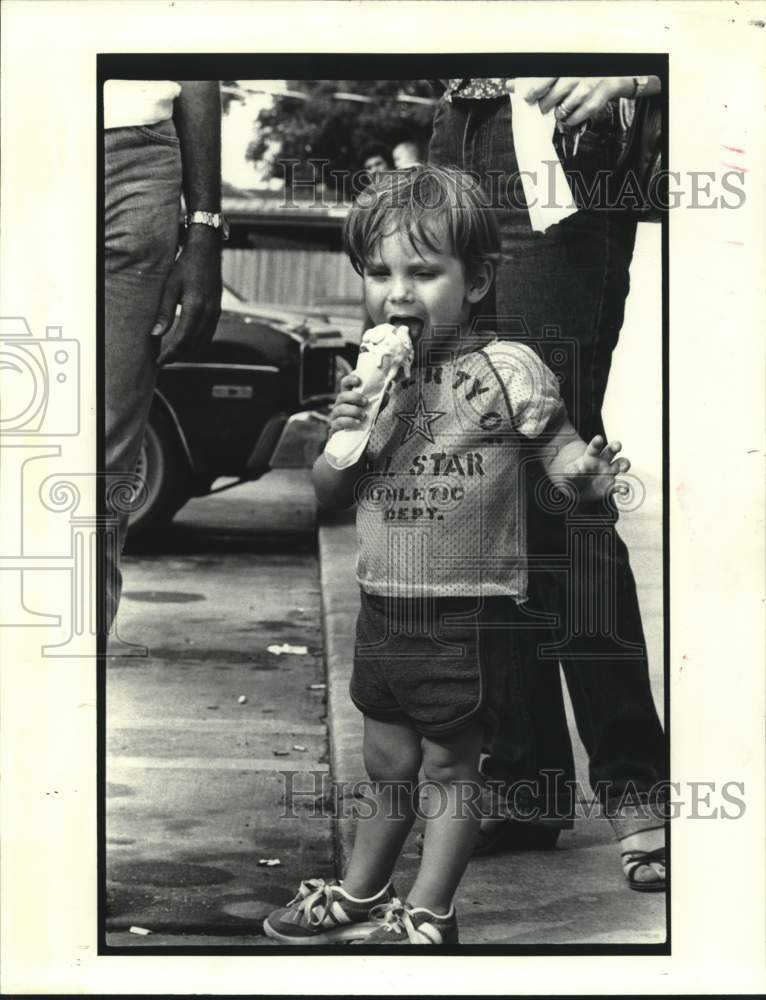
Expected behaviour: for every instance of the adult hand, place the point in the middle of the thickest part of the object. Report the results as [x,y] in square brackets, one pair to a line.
[194,283]
[576,99]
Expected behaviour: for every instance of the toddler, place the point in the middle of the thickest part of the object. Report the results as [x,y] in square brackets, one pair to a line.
[441,561]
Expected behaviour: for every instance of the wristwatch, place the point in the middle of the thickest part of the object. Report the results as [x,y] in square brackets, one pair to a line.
[640,84]
[216,220]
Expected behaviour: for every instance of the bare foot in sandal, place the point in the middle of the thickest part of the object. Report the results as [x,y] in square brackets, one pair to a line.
[643,860]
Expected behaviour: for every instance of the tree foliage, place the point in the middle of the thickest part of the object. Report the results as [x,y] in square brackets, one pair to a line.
[325,128]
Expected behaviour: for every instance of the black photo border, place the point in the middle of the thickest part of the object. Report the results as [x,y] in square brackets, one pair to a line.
[364,66]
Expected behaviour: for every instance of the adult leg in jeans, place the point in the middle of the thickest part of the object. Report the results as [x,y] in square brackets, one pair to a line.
[607,674]
[533,746]
[142,204]
[573,278]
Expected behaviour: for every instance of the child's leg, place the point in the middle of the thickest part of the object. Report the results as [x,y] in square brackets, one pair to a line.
[452,825]
[392,756]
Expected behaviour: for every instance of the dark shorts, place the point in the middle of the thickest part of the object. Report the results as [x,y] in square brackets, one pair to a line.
[438,664]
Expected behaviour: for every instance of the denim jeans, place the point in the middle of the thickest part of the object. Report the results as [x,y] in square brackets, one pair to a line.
[564,292]
[142,181]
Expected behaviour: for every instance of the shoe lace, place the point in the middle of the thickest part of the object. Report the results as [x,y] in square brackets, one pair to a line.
[313,899]
[394,918]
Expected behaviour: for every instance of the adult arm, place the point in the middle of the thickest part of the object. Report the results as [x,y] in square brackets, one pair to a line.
[195,280]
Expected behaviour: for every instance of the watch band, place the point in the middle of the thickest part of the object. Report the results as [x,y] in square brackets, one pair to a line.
[216,220]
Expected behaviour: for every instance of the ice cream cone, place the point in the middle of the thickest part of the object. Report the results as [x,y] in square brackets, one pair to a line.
[383,352]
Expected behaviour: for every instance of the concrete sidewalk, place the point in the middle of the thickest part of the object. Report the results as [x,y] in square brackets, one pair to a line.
[573,895]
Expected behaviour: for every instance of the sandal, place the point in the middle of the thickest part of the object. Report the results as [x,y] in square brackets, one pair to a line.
[633,861]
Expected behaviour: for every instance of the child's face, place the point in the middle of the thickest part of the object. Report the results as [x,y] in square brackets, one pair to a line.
[419,288]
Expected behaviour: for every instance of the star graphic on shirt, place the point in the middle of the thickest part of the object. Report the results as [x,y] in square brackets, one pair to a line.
[419,421]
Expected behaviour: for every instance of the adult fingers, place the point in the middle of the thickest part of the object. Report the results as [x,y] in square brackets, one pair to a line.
[573,100]
[558,92]
[592,102]
[169,299]
[184,335]
[542,86]
[195,330]
[350,380]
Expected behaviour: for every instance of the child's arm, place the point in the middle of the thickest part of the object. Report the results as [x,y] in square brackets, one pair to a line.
[336,488]
[573,458]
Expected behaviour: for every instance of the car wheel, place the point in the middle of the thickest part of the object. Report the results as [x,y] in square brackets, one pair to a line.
[163,467]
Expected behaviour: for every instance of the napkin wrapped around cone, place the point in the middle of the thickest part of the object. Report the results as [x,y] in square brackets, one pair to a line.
[384,350]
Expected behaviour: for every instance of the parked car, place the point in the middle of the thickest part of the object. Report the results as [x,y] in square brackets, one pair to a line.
[254,401]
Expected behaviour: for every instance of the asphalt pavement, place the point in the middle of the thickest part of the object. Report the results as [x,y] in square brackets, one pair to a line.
[201,731]
[208,732]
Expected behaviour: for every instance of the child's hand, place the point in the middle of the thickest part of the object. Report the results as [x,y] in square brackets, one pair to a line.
[349,410]
[600,463]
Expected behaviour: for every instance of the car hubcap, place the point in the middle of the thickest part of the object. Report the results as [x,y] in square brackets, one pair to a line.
[149,468]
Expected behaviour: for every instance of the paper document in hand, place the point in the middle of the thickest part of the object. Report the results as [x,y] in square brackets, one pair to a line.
[546,190]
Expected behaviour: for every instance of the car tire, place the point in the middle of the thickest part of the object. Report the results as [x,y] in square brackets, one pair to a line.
[165,471]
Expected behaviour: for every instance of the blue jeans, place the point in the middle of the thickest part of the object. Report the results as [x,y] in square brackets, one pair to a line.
[564,291]
[142,168]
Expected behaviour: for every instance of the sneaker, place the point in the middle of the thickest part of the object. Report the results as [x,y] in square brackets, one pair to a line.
[402,923]
[323,913]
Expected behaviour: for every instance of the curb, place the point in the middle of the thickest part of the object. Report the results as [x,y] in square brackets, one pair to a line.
[340,606]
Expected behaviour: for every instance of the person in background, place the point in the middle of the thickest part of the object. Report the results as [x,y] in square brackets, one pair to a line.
[376,159]
[573,277]
[161,138]
[406,155]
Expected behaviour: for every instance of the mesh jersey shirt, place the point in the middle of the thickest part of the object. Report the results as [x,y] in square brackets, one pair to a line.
[440,509]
